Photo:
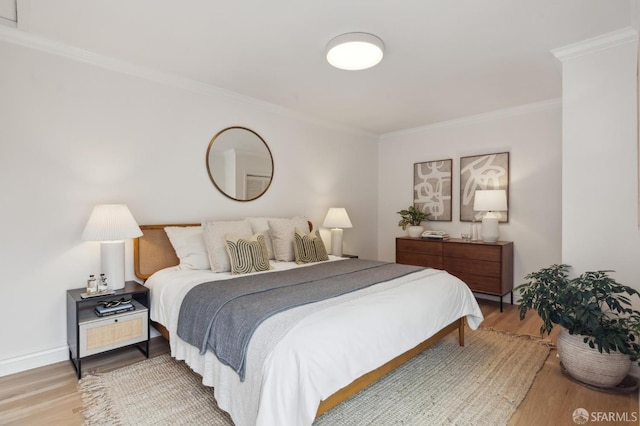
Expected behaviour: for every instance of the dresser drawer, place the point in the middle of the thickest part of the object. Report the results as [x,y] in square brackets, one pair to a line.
[474,251]
[432,248]
[472,266]
[487,285]
[411,258]
[111,332]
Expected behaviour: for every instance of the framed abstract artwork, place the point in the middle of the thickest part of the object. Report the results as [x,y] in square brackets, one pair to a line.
[432,189]
[489,171]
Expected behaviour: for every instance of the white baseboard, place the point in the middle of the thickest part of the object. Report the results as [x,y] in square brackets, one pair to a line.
[40,359]
[34,360]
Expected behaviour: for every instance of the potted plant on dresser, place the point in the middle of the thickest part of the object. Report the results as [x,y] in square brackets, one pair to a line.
[412,219]
[599,328]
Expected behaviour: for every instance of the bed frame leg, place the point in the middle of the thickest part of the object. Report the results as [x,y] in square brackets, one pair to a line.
[461,332]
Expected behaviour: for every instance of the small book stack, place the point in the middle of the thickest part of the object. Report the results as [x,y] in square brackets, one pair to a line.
[103,311]
[435,235]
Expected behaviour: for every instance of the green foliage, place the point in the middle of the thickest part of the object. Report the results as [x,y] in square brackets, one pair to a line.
[411,217]
[593,305]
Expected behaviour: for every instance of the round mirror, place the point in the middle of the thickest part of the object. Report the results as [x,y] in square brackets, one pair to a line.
[239,163]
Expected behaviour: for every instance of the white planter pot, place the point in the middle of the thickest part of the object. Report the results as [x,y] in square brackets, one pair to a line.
[415,231]
[588,365]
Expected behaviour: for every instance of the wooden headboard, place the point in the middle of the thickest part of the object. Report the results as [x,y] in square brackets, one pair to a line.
[153,250]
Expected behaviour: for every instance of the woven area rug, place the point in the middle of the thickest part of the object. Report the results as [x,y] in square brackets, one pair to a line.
[481,383]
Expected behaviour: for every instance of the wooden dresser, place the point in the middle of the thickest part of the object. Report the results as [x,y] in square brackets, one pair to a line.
[485,267]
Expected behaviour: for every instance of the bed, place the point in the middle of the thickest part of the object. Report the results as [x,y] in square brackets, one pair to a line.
[306,360]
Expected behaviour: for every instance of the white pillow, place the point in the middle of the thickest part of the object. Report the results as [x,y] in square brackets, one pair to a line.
[282,232]
[189,246]
[261,225]
[214,240]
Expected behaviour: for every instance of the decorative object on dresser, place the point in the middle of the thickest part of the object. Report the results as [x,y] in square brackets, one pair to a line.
[412,219]
[489,171]
[337,219]
[111,224]
[491,202]
[88,333]
[485,268]
[432,182]
[599,327]
[435,235]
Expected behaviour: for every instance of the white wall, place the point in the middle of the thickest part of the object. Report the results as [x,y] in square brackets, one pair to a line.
[532,136]
[600,156]
[75,134]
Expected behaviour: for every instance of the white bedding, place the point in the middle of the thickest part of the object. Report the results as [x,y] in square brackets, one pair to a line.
[301,356]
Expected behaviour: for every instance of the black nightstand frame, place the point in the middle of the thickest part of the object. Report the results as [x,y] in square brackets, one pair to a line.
[75,303]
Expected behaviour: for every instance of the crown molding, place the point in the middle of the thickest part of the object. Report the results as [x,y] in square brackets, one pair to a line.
[596,44]
[554,103]
[29,40]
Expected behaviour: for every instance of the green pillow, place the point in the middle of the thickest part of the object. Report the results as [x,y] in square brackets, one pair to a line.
[247,255]
[309,248]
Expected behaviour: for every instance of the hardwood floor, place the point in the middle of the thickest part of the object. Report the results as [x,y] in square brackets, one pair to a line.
[553,397]
[49,395]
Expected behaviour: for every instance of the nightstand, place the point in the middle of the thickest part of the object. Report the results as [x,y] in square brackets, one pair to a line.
[88,334]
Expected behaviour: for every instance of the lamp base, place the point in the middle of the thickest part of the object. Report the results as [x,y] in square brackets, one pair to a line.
[112,263]
[490,232]
[336,242]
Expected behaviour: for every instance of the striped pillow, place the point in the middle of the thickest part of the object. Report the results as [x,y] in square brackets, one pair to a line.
[309,247]
[247,255]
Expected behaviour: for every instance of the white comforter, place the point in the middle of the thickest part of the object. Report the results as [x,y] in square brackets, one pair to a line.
[301,356]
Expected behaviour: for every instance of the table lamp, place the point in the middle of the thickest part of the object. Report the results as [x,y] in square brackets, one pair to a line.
[111,224]
[490,201]
[337,218]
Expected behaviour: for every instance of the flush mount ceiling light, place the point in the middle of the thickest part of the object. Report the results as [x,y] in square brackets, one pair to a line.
[355,51]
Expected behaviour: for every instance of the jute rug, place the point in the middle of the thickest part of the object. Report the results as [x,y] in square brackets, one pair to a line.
[481,383]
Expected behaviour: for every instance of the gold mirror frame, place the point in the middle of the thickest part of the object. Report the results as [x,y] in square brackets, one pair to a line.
[239,163]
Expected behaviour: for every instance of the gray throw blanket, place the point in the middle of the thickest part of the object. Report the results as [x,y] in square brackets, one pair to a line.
[222,315]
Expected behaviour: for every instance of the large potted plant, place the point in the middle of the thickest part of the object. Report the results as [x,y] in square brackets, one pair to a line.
[599,328]
[412,218]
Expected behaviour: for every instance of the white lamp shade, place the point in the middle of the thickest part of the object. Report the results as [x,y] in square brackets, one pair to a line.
[355,51]
[490,200]
[337,217]
[111,222]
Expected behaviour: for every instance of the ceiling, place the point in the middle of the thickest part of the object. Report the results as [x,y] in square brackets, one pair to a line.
[444,59]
